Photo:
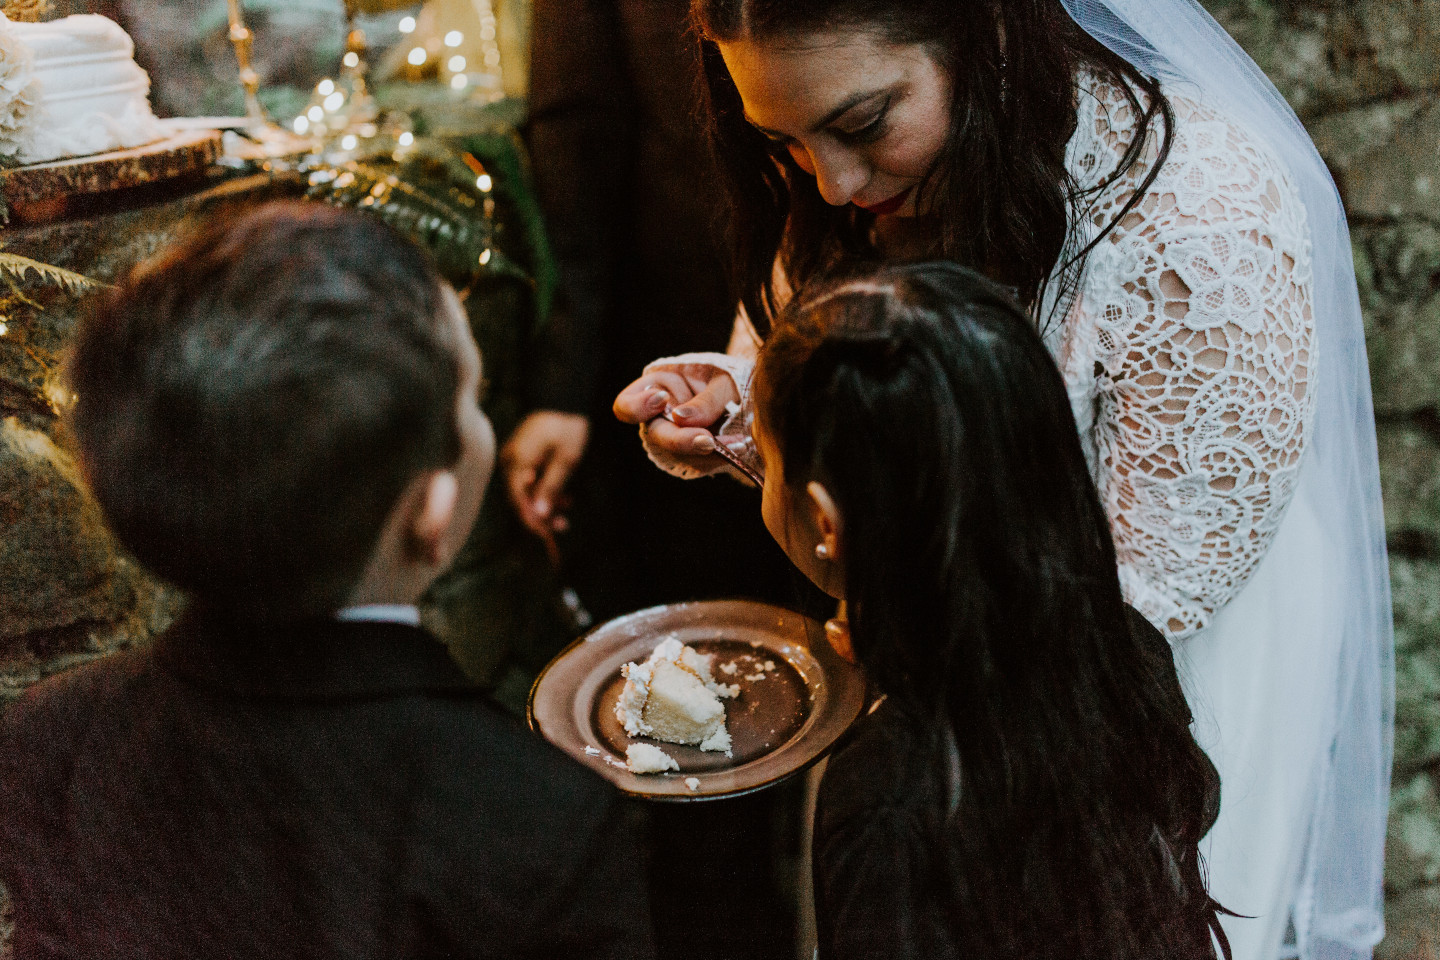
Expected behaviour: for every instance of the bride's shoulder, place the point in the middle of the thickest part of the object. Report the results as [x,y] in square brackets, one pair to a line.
[1210,155]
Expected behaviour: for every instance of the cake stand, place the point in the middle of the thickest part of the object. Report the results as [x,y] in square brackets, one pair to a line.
[42,192]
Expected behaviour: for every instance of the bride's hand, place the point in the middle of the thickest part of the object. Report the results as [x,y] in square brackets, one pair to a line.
[694,395]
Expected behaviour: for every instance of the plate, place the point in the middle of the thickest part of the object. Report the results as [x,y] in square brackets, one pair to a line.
[796,697]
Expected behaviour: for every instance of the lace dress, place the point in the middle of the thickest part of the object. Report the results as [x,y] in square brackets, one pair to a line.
[1189,351]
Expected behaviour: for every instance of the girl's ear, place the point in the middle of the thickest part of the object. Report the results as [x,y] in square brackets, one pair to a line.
[825,515]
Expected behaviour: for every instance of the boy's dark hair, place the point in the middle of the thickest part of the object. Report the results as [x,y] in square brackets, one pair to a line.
[252,404]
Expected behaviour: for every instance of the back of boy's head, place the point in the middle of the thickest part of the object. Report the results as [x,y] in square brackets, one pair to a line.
[251,406]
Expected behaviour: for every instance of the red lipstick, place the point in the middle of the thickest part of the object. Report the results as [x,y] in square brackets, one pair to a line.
[889,206]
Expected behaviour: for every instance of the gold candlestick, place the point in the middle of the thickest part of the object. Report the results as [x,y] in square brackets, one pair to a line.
[243,39]
[354,68]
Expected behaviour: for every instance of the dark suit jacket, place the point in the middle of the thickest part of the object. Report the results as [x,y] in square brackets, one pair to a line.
[332,790]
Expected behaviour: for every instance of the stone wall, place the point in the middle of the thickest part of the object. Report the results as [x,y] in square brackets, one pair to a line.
[1363,75]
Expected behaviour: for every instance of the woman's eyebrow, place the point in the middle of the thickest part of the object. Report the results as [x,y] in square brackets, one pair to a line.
[845,106]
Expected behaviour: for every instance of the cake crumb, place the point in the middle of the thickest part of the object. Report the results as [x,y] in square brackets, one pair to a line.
[729,669]
[693,783]
[591,751]
[769,665]
[752,677]
[644,758]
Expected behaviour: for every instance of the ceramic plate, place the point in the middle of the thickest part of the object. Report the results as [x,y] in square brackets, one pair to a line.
[796,697]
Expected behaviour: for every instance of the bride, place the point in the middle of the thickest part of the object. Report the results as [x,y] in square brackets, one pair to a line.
[1126,169]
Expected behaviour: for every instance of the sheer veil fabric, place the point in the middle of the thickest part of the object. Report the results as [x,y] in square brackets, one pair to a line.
[1337,907]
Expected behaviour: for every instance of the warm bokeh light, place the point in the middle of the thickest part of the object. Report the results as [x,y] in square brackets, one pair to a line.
[418,56]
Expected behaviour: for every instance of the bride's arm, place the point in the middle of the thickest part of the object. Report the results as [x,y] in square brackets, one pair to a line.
[1206,362]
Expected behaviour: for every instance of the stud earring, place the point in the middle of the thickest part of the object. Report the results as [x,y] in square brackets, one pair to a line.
[822,551]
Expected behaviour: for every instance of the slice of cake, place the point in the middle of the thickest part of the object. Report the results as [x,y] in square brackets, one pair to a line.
[71,87]
[673,696]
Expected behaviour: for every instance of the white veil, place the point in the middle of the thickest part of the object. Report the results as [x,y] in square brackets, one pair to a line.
[1338,912]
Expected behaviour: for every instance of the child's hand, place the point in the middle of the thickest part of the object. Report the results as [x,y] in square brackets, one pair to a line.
[538,460]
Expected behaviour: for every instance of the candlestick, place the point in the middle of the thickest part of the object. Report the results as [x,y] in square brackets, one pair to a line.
[243,39]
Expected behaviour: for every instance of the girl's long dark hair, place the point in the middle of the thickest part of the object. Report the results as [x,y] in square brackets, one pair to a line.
[1001,189]
[984,600]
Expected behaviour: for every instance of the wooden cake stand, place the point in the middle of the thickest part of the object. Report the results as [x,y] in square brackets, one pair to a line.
[42,192]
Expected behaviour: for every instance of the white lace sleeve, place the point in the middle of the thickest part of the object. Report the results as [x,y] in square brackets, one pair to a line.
[1196,319]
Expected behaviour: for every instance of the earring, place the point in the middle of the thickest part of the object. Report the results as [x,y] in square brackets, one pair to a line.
[822,551]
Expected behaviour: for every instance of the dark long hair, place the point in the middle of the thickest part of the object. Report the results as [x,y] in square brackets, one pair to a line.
[984,600]
[1004,197]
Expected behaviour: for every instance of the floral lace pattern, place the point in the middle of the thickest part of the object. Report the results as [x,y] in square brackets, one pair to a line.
[1189,352]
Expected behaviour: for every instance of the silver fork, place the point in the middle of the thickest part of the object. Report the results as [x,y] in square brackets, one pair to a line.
[733,458]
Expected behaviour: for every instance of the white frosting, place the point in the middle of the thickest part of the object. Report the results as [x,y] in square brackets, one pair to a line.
[698,703]
[79,86]
[647,758]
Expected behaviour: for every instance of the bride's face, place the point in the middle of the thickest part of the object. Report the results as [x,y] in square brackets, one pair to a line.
[867,118]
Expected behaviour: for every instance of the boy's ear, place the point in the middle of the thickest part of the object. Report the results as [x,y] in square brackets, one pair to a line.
[826,516]
[430,523]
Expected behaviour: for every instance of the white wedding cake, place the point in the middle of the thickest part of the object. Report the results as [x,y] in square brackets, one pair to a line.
[70,88]
[673,696]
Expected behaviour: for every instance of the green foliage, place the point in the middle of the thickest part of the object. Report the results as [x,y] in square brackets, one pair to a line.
[429,193]
[1415,824]
[15,267]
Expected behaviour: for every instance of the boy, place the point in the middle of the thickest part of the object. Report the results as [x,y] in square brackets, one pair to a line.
[281,417]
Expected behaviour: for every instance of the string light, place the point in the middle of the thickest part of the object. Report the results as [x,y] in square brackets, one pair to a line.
[459,81]
[407,138]
[4,328]
[484,182]
[335,101]
[302,124]
[454,38]
[407,24]
[348,142]
[418,56]
[316,114]
[352,59]
[484,258]
[456,64]
[325,87]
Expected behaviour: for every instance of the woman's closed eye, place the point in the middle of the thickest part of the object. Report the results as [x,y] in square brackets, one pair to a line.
[872,129]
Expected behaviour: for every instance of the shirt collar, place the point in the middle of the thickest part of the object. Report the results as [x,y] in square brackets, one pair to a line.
[405,613]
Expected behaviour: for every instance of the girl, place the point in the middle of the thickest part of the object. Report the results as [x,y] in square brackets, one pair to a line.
[1165,221]
[1029,787]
